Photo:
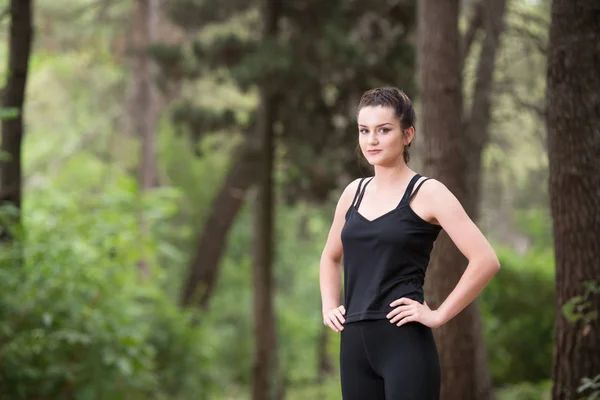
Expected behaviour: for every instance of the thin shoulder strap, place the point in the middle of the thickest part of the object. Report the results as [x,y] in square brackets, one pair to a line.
[362,193]
[357,191]
[417,189]
[409,188]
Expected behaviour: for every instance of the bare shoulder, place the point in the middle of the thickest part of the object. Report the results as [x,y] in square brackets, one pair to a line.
[432,187]
[352,186]
[438,196]
[348,194]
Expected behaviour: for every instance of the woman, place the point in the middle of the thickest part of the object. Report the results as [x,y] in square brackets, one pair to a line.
[384,229]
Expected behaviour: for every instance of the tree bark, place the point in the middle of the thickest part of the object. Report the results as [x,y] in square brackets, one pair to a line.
[477,124]
[573,125]
[204,266]
[267,382]
[325,367]
[477,136]
[460,342]
[265,368]
[474,26]
[20,42]
[145,105]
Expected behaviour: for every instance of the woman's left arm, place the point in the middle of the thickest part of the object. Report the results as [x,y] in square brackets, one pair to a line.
[444,207]
[483,262]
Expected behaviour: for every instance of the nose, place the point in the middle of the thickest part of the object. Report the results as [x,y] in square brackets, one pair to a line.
[372,138]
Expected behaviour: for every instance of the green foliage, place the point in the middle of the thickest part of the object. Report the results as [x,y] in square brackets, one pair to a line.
[518,307]
[199,120]
[536,224]
[322,58]
[75,319]
[300,233]
[591,386]
[526,391]
[9,113]
[579,308]
[329,390]
[190,14]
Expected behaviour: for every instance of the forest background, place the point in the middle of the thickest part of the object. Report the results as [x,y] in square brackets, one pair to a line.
[166,203]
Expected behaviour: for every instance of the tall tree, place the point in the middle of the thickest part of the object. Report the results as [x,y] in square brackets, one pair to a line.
[476,123]
[573,124]
[476,130]
[266,377]
[326,80]
[439,67]
[453,146]
[203,268]
[20,42]
[144,101]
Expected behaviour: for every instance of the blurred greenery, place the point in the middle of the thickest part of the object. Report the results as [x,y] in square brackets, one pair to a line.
[76,318]
[77,321]
[518,310]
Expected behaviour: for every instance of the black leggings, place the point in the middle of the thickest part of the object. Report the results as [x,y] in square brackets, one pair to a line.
[381,361]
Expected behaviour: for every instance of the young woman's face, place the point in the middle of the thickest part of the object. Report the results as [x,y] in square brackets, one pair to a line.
[380,137]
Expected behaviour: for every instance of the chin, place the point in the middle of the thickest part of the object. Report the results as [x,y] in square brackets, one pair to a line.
[382,162]
[377,160]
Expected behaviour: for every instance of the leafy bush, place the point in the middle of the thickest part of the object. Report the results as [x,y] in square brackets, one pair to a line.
[76,320]
[518,314]
[526,391]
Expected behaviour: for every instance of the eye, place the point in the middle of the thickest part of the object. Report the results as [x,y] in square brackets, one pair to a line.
[384,130]
[363,131]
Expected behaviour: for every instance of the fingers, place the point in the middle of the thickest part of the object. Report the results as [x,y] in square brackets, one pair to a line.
[335,319]
[337,324]
[331,323]
[402,300]
[406,310]
[412,318]
[334,323]
[403,314]
[339,318]
[396,311]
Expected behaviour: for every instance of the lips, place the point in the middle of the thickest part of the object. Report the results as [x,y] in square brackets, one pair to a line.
[374,151]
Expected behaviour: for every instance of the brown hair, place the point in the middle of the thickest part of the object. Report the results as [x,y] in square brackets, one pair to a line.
[395,98]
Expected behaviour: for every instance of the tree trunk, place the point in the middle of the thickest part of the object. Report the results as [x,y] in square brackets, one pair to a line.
[459,341]
[477,135]
[265,368]
[325,363]
[573,124]
[145,107]
[477,127]
[325,367]
[266,378]
[145,104]
[204,266]
[20,42]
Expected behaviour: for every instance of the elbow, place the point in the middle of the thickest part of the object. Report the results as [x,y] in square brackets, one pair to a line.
[493,263]
[488,263]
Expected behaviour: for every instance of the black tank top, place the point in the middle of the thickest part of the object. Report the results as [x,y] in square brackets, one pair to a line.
[384,258]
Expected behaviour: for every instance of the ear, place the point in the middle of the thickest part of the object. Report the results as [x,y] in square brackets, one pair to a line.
[409,135]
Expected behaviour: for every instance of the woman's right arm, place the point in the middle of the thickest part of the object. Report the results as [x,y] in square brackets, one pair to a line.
[330,270]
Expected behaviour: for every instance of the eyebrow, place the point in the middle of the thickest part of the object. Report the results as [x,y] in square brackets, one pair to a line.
[385,123]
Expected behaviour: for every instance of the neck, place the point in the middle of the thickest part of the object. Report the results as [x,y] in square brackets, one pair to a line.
[387,177]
